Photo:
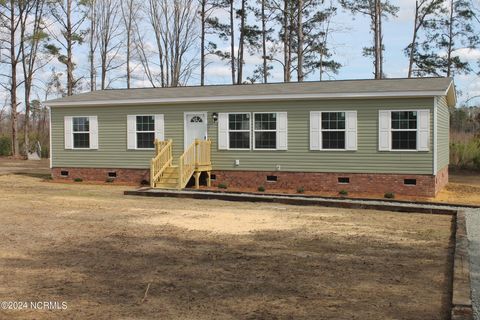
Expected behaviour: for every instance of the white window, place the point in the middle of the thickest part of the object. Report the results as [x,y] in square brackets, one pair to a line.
[143,130]
[265,130]
[407,130]
[81,132]
[333,130]
[269,131]
[239,130]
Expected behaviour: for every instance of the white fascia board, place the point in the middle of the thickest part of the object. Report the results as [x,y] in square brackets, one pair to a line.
[278,97]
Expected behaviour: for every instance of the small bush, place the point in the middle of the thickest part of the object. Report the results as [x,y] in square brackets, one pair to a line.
[222,186]
[343,193]
[300,190]
[465,151]
[389,195]
[261,189]
[144,182]
[110,180]
[476,162]
[78,179]
[5,146]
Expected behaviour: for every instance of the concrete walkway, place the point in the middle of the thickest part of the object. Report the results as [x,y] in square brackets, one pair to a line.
[473,232]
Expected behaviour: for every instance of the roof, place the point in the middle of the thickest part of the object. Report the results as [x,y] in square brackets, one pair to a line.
[335,89]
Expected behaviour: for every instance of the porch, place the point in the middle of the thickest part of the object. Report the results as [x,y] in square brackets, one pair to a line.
[165,174]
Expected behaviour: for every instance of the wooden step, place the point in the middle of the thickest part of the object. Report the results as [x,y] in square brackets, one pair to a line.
[168,180]
[166,185]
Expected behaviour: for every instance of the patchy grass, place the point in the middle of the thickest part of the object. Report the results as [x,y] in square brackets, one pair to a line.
[98,250]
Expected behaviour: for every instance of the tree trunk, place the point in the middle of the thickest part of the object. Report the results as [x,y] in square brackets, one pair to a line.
[300,42]
[91,55]
[232,41]
[129,39]
[413,45]
[377,40]
[286,46]
[264,43]
[241,44]
[450,40]
[13,87]
[290,40]
[202,44]
[70,80]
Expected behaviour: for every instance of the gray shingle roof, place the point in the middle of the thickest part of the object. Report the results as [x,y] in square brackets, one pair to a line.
[323,89]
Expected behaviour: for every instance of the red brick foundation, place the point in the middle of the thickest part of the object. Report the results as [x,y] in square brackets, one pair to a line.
[130,176]
[426,185]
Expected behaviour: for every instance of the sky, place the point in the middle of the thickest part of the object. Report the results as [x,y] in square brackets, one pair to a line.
[347,43]
[353,36]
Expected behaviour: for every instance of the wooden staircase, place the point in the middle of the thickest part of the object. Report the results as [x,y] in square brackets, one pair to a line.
[169,179]
[194,161]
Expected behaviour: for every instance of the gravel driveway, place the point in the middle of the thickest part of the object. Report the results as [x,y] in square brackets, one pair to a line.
[473,231]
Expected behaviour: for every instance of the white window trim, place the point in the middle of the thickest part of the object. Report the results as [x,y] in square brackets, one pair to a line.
[249,132]
[254,131]
[322,130]
[73,134]
[392,130]
[136,131]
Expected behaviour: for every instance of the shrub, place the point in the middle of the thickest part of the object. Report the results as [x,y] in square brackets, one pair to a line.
[222,186]
[389,195]
[261,189]
[300,190]
[5,146]
[78,179]
[343,192]
[110,180]
[465,151]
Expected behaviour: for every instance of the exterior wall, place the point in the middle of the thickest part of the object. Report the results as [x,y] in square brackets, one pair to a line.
[427,185]
[131,176]
[328,182]
[112,152]
[443,134]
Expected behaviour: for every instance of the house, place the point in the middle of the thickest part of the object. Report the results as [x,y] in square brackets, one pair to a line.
[357,135]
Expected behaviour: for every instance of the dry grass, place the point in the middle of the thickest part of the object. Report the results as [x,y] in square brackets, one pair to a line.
[98,250]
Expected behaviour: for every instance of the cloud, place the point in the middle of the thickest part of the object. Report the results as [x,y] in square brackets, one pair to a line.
[467,54]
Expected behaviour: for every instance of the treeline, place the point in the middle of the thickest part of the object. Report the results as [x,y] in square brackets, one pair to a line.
[164,43]
[465,138]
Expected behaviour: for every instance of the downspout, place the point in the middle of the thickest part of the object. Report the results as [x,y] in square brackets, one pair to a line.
[435,138]
[50,135]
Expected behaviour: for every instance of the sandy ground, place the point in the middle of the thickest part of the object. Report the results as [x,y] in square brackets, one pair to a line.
[99,251]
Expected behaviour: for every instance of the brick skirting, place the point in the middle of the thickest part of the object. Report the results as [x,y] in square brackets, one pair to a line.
[130,176]
[426,185]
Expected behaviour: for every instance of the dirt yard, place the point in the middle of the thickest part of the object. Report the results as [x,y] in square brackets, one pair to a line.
[99,251]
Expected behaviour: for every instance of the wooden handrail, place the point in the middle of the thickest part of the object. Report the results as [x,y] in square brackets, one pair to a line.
[196,155]
[186,165]
[203,152]
[162,160]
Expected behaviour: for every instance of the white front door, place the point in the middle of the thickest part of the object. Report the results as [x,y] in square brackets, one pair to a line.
[195,127]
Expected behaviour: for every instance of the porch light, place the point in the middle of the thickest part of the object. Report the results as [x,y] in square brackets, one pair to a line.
[215,117]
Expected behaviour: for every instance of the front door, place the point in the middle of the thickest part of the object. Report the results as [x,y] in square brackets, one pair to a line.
[195,127]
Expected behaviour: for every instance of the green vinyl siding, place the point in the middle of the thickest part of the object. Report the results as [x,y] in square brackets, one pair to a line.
[113,153]
[443,125]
